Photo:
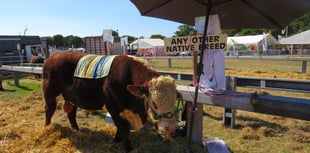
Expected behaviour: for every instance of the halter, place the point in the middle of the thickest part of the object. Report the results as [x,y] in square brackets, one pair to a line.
[167,115]
[157,116]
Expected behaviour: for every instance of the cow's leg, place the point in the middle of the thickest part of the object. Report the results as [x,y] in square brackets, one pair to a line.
[1,87]
[122,134]
[122,125]
[72,118]
[50,107]
[50,93]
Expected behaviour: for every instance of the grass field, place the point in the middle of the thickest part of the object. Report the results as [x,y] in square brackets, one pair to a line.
[244,67]
[22,120]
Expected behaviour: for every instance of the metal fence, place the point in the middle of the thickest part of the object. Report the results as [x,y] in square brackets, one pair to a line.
[9,60]
[302,59]
[230,99]
[270,52]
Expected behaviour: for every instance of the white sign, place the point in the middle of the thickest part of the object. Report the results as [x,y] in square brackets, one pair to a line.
[194,43]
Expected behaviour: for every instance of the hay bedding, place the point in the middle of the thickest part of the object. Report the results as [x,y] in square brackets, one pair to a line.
[22,130]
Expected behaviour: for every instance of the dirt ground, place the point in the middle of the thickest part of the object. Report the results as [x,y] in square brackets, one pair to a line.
[22,130]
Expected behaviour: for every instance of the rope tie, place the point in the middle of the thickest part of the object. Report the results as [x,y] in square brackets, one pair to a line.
[214,94]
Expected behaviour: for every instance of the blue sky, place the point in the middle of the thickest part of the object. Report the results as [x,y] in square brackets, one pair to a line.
[78,17]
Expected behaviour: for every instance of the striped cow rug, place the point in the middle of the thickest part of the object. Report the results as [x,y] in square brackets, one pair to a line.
[93,66]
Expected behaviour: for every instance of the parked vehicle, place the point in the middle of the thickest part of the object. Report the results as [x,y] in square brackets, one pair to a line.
[186,53]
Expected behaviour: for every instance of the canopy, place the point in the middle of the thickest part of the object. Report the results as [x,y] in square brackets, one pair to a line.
[245,41]
[234,14]
[301,38]
[147,43]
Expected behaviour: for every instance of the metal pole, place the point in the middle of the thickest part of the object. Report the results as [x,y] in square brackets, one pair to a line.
[199,71]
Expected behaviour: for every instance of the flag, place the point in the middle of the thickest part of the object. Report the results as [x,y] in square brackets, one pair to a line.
[283,31]
[269,32]
[265,41]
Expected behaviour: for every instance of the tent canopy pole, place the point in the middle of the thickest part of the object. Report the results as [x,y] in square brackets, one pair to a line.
[199,70]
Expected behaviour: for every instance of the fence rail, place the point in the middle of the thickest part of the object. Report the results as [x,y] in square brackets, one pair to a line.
[303,59]
[254,82]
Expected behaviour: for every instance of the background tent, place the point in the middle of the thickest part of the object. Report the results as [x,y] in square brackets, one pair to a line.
[254,42]
[148,47]
[297,44]
[301,38]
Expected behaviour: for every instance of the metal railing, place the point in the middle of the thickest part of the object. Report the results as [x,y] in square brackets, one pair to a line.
[274,105]
[254,82]
[303,59]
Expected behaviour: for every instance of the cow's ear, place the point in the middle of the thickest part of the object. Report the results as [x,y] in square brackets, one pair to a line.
[138,90]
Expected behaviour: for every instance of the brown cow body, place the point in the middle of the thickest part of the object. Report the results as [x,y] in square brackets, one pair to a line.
[36,60]
[118,91]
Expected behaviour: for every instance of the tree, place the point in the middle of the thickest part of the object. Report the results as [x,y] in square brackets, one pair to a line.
[246,31]
[73,41]
[159,36]
[184,30]
[50,41]
[59,41]
[230,32]
[115,33]
[299,25]
[130,38]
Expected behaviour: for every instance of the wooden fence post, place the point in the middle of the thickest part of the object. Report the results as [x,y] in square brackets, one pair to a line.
[230,113]
[197,123]
[169,63]
[16,78]
[304,67]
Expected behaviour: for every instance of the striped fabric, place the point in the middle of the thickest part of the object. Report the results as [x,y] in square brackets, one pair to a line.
[93,66]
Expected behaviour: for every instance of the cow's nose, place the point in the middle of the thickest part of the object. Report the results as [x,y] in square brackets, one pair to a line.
[169,130]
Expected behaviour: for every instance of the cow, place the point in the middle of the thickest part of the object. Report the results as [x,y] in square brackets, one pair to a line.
[132,92]
[36,60]
[1,87]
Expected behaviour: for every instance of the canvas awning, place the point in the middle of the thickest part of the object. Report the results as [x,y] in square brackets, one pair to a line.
[250,40]
[254,39]
[147,43]
[301,38]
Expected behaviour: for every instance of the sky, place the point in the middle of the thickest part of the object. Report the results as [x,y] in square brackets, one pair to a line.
[79,18]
